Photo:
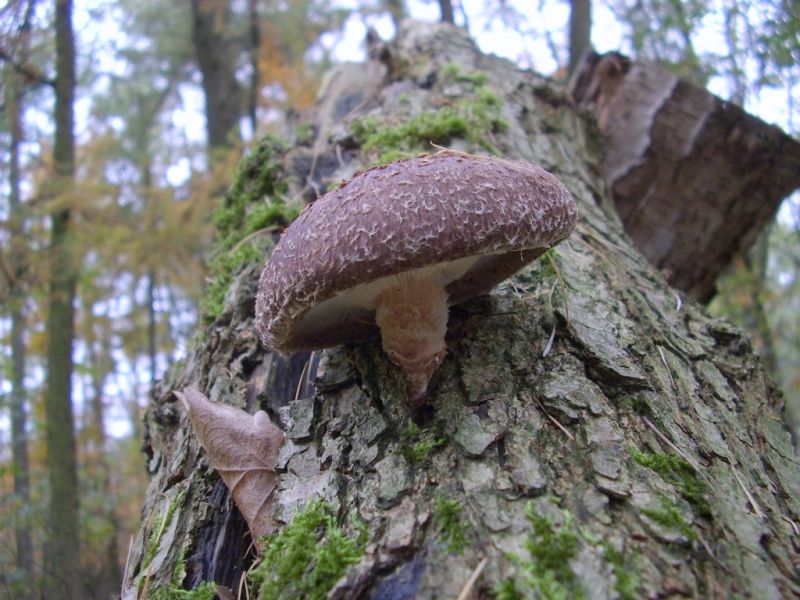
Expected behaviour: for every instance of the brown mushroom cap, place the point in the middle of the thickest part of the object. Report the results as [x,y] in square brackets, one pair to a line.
[471,221]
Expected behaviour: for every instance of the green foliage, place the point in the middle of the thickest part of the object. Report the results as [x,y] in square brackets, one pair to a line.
[667,515]
[759,46]
[307,557]
[447,517]
[545,573]
[676,471]
[253,204]
[473,118]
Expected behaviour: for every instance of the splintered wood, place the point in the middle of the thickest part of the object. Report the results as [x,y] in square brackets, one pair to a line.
[694,178]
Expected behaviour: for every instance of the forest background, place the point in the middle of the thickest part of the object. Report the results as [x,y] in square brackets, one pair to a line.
[121,125]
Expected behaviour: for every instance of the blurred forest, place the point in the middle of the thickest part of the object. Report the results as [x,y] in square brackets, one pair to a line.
[121,125]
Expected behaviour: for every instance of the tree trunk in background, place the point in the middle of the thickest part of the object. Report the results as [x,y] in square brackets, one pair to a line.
[580,31]
[255,78]
[152,333]
[397,9]
[16,306]
[446,12]
[756,260]
[108,581]
[62,552]
[644,446]
[211,35]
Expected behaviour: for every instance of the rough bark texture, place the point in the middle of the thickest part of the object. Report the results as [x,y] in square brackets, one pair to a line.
[62,552]
[694,178]
[218,68]
[17,398]
[635,374]
[580,32]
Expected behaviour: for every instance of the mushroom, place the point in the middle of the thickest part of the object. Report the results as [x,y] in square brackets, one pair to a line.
[392,248]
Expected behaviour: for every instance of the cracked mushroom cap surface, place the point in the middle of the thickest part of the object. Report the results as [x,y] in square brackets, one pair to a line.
[470,221]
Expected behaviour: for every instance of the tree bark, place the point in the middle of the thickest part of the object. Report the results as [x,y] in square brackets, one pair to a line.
[106,581]
[580,32]
[62,551]
[254,40]
[523,434]
[16,305]
[18,402]
[694,178]
[446,12]
[218,67]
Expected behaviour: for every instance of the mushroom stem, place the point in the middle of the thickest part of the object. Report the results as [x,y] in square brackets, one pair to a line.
[412,317]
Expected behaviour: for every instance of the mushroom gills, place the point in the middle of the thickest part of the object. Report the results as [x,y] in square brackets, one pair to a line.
[349,315]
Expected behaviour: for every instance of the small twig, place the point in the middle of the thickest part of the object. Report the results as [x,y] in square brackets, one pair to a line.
[750,498]
[549,345]
[300,379]
[308,372]
[794,525]
[256,233]
[555,422]
[552,333]
[467,589]
[667,441]
[127,564]
[678,301]
[562,282]
[711,554]
[666,365]
[242,590]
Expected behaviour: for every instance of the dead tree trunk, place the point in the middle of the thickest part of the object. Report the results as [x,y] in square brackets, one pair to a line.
[640,454]
[694,179]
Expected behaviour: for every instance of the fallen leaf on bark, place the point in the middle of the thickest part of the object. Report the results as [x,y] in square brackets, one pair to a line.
[243,448]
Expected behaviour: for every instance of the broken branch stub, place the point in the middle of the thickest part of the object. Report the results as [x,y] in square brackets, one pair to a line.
[243,449]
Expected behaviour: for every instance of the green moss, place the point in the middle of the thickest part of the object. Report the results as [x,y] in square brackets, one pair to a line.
[627,582]
[254,203]
[160,524]
[507,590]
[667,515]
[447,517]
[637,404]
[678,472]
[472,118]
[205,591]
[307,557]
[453,72]
[172,591]
[257,177]
[416,450]
[304,133]
[545,573]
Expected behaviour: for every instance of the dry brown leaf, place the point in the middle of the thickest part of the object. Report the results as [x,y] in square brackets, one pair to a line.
[243,448]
